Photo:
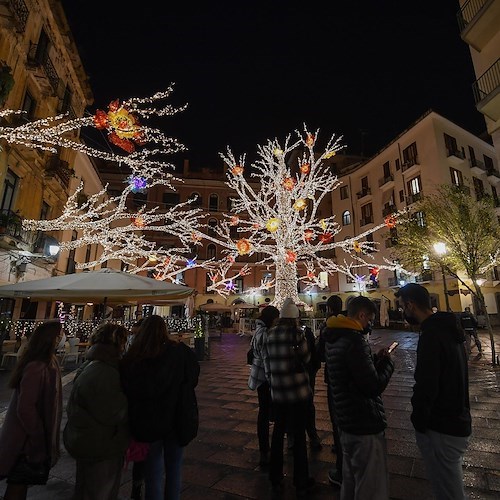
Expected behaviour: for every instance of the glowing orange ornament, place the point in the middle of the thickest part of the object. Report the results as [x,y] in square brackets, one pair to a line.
[300,204]
[243,246]
[195,237]
[273,224]
[234,220]
[289,183]
[390,221]
[310,139]
[308,234]
[305,168]
[325,237]
[291,256]
[139,222]
[237,170]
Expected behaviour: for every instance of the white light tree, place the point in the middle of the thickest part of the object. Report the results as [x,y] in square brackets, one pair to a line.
[276,216]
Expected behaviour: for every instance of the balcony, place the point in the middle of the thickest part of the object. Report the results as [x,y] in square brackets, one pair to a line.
[389,210]
[477,167]
[463,189]
[386,182]
[44,71]
[12,234]
[425,276]
[487,91]
[18,14]
[366,220]
[364,192]
[392,281]
[59,170]
[493,176]
[413,198]
[455,157]
[478,21]
[409,163]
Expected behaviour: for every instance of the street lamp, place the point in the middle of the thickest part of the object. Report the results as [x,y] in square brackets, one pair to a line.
[440,249]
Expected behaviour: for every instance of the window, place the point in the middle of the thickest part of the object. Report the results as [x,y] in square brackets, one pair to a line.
[369,238]
[266,278]
[420,218]
[387,170]
[171,199]
[488,163]
[344,192]
[346,218]
[29,107]
[456,177]
[66,100]
[9,190]
[414,185]
[398,164]
[478,188]
[238,285]
[230,202]
[213,203]
[494,195]
[323,278]
[212,224]
[140,199]
[211,251]
[197,199]
[87,253]
[364,183]
[42,48]
[410,156]
[366,214]
[44,212]
[401,196]
[450,144]
[70,267]
[208,283]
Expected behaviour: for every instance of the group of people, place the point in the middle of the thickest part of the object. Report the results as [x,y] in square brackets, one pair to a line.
[356,378]
[123,398]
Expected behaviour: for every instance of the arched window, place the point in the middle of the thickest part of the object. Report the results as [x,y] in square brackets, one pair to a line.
[212,224]
[346,218]
[213,203]
[211,251]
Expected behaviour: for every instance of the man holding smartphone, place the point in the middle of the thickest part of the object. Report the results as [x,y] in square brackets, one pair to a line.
[441,411]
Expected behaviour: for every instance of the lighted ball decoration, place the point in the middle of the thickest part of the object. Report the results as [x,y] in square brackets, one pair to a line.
[390,221]
[305,168]
[237,170]
[289,183]
[326,238]
[300,204]
[291,256]
[273,224]
[308,235]
[243,246]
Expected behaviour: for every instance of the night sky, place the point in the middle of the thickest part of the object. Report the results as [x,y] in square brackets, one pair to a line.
[252,71]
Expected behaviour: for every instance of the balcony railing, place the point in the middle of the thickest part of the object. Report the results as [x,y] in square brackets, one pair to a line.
[11,226]
[413,198]
[408,163]
[56,167]
[364,192]
[20,12]
[468,11]
[388,210]
[385,180]
[425,276]
[487,82]
[42,60]
[366,220]
[456,153]
[477,164]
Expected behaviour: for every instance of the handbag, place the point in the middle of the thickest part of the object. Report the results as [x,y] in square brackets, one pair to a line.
[137,451]
[250,355]
[25,472]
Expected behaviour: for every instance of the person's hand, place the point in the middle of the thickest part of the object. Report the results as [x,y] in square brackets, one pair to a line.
[384,353]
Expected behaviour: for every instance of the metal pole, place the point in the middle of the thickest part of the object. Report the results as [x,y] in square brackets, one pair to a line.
[446,296]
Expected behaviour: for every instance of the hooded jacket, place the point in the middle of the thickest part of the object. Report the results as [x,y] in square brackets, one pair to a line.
[356,377]
[441,392]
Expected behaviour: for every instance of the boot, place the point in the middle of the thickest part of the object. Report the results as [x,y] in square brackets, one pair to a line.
[136,491]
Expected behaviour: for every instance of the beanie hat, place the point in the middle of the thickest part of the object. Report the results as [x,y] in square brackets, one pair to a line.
[289,309]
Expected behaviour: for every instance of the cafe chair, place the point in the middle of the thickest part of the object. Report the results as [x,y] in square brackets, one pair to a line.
[14,355]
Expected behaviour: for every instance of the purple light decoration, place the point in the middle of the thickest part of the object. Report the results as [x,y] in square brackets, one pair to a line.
[230,285]
[359,279]
[138,184]
[191,263]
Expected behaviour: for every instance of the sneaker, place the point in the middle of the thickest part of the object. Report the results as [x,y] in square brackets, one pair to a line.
[335,477]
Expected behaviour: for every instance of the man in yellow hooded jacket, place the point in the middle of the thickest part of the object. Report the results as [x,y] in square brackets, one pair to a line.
[357,379]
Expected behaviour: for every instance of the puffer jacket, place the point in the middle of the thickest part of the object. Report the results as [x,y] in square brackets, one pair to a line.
[441,392]
[356,377]
[97,427]
[257,371]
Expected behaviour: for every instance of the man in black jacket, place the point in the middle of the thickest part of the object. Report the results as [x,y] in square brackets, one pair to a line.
[441,411]
[357,380]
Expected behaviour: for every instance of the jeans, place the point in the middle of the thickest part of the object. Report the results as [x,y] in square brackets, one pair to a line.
[364,474]
[264,394]
[164,460]
[291,418]
[443,456]
[335,429]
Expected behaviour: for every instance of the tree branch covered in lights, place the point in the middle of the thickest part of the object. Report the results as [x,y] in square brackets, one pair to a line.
[144,148]
[276,216]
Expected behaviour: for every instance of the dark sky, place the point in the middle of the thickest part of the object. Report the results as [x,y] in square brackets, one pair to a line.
[251,71]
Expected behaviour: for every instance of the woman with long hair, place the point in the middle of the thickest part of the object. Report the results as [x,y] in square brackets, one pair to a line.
[153,370]
[257,379]
[33,420]
[97,434]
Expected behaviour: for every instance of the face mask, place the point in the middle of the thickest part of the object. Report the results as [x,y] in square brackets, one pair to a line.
[410,319]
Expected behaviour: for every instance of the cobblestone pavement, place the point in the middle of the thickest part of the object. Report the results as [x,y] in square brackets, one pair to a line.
[222,462]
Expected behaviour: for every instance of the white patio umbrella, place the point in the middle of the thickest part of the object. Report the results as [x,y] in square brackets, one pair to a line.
[104,285]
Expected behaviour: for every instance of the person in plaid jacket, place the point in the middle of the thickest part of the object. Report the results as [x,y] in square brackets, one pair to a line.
[288,353]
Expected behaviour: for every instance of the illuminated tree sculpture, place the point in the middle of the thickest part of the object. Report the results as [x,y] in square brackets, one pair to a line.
[276,216]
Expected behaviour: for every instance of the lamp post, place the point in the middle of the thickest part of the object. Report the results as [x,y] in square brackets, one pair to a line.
[440,249]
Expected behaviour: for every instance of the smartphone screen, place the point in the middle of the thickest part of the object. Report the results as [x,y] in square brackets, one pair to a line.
[393,346]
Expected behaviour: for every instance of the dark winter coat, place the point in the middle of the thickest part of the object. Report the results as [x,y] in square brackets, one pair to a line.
[152,389]
[33,420]
[97,427]
[441,392]
[357,379]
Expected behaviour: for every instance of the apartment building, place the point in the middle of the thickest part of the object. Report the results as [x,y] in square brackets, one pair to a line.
[479,23]
[431,152]
[43,76]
